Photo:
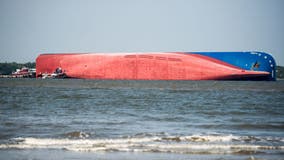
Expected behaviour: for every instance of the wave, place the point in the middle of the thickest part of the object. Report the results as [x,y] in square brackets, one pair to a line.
[77,134]
[194,144]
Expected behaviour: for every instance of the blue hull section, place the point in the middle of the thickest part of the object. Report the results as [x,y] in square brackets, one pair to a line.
[255,61]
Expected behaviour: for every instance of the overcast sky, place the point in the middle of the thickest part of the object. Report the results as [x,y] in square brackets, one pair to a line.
[31,27]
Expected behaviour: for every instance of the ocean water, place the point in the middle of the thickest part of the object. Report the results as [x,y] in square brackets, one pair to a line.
[90,119]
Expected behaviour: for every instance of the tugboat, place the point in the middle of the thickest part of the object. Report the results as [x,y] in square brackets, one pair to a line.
[24,73]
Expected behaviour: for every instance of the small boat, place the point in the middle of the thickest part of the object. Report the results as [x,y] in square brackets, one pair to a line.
[58,73]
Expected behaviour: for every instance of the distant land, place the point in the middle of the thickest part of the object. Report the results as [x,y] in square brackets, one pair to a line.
[280,72]
[7,68]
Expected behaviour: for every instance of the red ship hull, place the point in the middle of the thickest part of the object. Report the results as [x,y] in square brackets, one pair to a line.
[142,66]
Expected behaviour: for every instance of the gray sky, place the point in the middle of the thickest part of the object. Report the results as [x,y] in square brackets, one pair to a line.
[31,27]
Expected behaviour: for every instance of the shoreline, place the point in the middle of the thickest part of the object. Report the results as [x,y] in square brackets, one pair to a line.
[46,154]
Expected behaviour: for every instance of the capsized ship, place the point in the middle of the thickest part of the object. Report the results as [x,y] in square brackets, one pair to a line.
[160,65]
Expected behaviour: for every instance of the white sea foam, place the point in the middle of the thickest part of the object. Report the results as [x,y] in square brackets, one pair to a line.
[185,144]
[210,138]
